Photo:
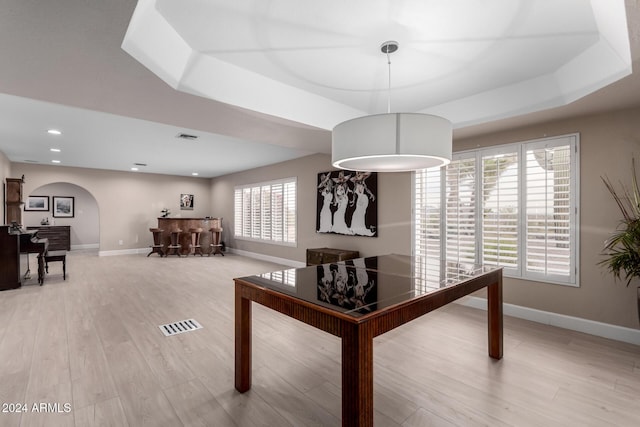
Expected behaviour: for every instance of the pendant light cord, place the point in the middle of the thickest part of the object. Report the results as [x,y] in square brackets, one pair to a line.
[389,88]
[388,48]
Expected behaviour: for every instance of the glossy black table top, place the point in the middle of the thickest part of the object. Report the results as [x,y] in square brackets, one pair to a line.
[364,285]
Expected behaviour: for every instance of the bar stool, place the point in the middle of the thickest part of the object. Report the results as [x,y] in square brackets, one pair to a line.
[156,248]
[216,245]
[195,241]
[175,246]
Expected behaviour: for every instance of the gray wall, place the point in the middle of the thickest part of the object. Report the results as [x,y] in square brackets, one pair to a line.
[394,210]
[608,141]
[129,204]
[85,224]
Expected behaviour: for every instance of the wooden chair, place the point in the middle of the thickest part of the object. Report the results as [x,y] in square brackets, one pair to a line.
[156,248]
[216,241]
[53,256]
[195,241]
[175,247]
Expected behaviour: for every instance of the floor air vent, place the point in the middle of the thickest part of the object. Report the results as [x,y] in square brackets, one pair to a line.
[176,328]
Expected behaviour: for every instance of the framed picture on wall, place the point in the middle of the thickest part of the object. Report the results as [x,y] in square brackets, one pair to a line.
[347,203]
[186,202]
[63,207]
[37,203]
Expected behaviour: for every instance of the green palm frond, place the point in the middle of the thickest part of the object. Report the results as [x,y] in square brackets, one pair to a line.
[623,248]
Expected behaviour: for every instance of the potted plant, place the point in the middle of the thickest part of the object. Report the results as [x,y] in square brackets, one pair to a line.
[622,249]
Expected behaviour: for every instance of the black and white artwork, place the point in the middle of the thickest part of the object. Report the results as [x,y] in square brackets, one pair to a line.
[63,207]
[350,284]
[186,202]
[347,203]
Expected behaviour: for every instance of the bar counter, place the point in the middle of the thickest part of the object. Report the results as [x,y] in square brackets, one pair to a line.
[184,224]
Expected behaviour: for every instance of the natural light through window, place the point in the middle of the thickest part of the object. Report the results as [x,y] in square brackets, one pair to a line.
[514,206]
[266,212]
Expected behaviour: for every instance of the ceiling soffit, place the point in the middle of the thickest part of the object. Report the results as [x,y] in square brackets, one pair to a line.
[319,63]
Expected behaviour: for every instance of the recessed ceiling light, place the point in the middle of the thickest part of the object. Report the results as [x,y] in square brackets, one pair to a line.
[134,169]
[55,150]
[55,161]
[194,173]
[54,132]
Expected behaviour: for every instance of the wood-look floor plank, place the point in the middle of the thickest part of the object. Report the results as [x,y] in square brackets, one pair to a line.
[50,359]
[93,340]
[294,406]
[108,413]
[142,399]
[50,406]
[196,406]
[424,418]
[247,409]
[90,375]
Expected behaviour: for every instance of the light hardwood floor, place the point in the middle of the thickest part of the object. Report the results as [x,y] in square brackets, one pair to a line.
[93,342]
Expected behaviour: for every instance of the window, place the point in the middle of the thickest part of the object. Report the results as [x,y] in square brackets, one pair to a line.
[266,212]
[514,206]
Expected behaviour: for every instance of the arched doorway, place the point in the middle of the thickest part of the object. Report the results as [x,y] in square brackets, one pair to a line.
[85,219]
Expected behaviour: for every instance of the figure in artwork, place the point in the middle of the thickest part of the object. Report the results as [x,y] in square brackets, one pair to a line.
[326,191]
[342,192]
[362,196]
[346,203]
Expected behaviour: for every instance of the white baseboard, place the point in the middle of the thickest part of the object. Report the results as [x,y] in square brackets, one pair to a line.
[124,252]
[87,246]
[262,257]
[605,330]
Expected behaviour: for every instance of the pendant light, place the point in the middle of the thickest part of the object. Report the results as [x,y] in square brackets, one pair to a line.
[391,142]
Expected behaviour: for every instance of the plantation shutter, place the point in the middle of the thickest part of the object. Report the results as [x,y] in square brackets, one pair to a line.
[276,213]
[255,213]
[237,214]
[289,212]
[460,211]
[246,212]
[427,214]
[265,212]
[549,209]
[500,210]
[513,206]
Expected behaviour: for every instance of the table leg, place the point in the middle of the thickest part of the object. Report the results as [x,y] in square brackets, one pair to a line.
[40,269]
[243,342]
[494,310]
[357,375]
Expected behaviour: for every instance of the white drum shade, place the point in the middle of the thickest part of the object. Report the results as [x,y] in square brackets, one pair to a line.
[392,142]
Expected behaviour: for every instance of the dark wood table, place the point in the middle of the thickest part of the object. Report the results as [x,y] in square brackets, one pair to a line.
[358,300]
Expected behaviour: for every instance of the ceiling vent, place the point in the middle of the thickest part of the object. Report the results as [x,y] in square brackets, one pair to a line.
[187,136]
[139,164]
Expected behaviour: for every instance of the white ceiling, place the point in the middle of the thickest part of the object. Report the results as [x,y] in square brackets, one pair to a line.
[63,67]
[320,63]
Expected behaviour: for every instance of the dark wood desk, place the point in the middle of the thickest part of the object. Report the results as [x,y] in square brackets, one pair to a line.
[326,255]
[358,300]
[59,236]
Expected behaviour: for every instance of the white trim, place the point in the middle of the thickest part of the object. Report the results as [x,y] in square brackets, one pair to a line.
[267,242]
[262,257]
[87,246]
[605,330]
[124,252]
